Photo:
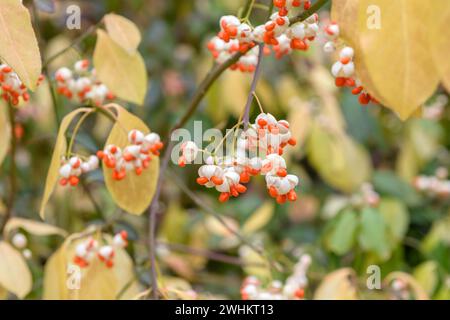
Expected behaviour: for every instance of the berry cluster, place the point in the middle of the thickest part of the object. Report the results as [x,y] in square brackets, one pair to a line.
[343,70]
[81,84]
[277,33]
[11,86]
[20,242]
[266,139]
[86,251]
[135,156]
[72,169]
[436,186]
[293,289]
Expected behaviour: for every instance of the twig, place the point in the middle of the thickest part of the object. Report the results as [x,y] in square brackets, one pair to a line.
[253,87]
[75,43]
[212,255]
[219,218]
[198,96]
[306,14]
[12,170]
[215,72]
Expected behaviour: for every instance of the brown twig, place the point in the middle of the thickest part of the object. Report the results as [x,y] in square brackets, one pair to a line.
[211,255]
[198,96]
[306,14]
[210,78]
[255,79]
[12,170]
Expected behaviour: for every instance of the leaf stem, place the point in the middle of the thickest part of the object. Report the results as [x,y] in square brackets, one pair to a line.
[76,129]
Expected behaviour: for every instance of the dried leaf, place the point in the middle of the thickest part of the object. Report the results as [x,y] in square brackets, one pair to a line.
[18,44]
[124,74]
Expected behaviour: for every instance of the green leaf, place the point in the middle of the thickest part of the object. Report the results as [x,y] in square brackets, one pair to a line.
[387,183]
[343,235]
[396,216]
[373,233]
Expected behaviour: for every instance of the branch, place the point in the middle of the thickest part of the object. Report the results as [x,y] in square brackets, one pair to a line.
[210,78]
[198,96]
[211,255]
[12,169]
[201,204]
[253,87]
[75,43]
[306,14]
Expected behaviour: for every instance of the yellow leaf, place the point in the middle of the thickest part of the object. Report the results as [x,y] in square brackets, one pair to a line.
[134,193]
[124,74]
[345,13]
[234,91]
[396,56]
[323,83]
[255,264]
[440,41]
[57,44]
[412,284]
[55,281]
[173,227]
[14,273]
[94,282]
[338,285]
[18,44]
[123,31]
[227,229]
[407,165]
[5,132]
[33,227]
[427,275]
[259,218]
[58,152]
[3,294]
[339,160]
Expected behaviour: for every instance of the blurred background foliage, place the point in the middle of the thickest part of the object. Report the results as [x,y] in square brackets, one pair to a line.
[341,146]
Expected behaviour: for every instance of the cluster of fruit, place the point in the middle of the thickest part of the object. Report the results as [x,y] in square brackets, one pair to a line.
[87,250]
[292,289]
[258,151]
[12,87]
[81,84]
[277,33]
[134,157]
